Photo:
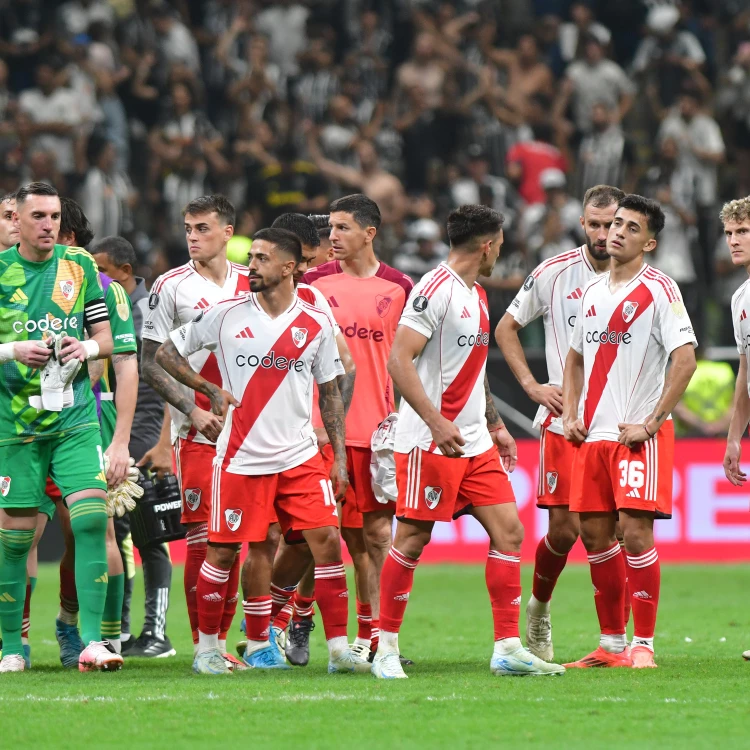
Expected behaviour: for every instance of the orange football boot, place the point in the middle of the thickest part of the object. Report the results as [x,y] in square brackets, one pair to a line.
[643,658]
[602,658]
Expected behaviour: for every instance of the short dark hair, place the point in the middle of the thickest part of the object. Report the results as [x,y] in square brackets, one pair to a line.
[117,249]
[283,239]
[364,210]
[9,196]
[208,204]
[322,225]
[34,188]
[74,221]
[300,225]
[468,223]
[601,196]
[646,207]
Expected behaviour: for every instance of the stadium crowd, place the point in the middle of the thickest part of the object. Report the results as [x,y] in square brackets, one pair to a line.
[135,107]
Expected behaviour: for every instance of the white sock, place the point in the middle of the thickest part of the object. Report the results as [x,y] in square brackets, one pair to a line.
[614,644]
[207,642]
[222,646]
[337,645]
[116,644]
[24,641]
[195,650]
[388,642]
[537,608]
[362,642]
[125,637]
[507,645]
[253,646]
[647,642]
[69,618]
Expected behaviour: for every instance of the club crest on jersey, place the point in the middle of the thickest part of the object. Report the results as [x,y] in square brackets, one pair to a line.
[432,496]
[552,481]
[420,303]
[628,310]
[4,486]
[383,304]
[679,309]
[299,336]
[193,499]
[233,519]
[68,289]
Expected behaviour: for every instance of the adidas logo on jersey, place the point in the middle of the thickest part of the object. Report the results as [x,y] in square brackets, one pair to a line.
[742,316]
[465,313]
[332,302]
[245,333]
[634,493]
[642,595]
[591,312]
[19,297]
[215,597]
[576,294]
[202,304]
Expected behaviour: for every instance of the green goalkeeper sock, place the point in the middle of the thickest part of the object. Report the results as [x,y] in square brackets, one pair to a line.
[32,582]
[14,549]
[88,519]
[112,619]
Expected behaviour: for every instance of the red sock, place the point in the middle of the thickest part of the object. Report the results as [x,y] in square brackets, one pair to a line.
[26,625]
[279,599]
[547,568]
[211,591]
[257,617]
[282,619]
[608,577]
[644,573]
[68,591]
[230,603]
[375,634]
[396,580]
[196,553]
[304,608]
[627,595]
[364,620]
[333,598]
[503,576]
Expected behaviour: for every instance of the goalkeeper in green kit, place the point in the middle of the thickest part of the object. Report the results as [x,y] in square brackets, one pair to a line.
[49,296]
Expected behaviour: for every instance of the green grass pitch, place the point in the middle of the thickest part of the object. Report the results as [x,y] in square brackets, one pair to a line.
[697,698]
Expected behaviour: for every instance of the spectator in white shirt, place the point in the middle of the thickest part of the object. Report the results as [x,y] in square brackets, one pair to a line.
[424,251]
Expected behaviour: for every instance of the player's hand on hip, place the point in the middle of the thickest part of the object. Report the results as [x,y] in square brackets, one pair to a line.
[209,425]
[575,431]
[221,400]
[632,434]
[159,458]
[31,353]
[322,435]
[448,438]
[549,396]
[339,478]
[732,465]
[72,349]
[119,463]
[506,446]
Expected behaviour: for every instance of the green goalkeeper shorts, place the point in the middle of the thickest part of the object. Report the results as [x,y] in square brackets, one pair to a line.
[73,461]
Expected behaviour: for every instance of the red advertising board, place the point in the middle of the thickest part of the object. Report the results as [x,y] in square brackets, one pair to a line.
[710,521]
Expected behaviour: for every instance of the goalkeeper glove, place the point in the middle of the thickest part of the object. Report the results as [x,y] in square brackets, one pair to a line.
[122,499]
[56,378]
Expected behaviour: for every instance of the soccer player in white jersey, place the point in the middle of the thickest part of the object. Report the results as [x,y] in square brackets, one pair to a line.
[553,291]
[735,217]
[453,452]
[176,298]
[616,410]
[270,346]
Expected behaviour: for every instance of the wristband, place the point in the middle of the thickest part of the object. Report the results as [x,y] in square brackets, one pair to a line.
[495,429]
[645,429]
[7,352]
[92,348]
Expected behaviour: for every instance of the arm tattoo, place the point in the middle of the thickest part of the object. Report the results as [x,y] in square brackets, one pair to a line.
[346,389]
[332,413]
[117,358]
[157,376]
[491,413]
[660,416]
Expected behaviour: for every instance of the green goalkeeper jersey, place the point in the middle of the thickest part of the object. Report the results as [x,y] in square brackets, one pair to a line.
[123,337]
[61,294]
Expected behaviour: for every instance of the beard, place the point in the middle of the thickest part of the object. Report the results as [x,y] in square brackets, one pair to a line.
[596,252]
